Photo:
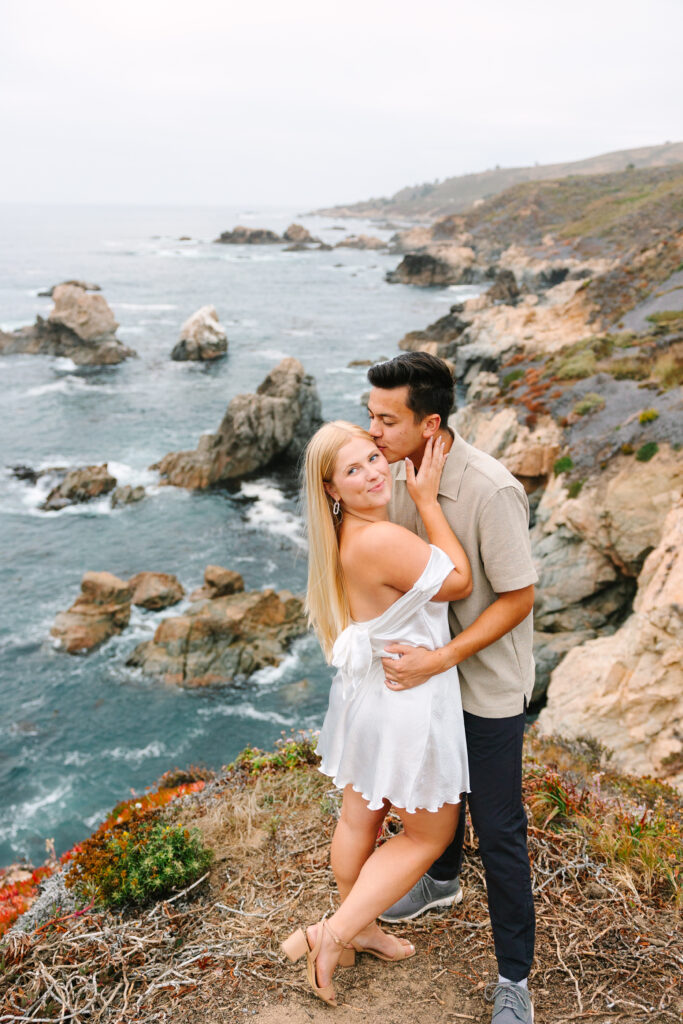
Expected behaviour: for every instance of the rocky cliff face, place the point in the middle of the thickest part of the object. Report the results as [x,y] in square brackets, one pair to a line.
[81,326]
[626,690]
[275,423]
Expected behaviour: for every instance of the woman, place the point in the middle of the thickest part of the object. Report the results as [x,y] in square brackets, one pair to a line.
[371,582]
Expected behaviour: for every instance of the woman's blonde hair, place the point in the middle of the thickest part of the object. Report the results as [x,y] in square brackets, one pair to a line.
[327,603]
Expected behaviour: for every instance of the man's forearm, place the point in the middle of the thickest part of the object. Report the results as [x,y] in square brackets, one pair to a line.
[506,612]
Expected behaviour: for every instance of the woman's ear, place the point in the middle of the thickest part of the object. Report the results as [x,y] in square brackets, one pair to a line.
[431,425]
[329,489]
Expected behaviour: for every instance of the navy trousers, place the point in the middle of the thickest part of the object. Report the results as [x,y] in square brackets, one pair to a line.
[494,752]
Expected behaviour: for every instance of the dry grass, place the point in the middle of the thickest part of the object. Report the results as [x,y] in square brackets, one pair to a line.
[608,949]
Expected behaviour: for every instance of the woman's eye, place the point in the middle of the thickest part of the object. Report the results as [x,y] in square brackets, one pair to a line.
[373,457]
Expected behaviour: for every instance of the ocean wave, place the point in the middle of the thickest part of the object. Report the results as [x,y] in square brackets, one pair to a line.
[19,815]
[271,353]
[144,307]
[154,749]
[246,710]
[267,512]
[69,385]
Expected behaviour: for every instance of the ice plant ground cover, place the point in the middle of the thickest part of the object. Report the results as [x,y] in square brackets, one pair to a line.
[17,897]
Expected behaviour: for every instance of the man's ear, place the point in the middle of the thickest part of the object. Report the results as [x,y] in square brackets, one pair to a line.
[431,425]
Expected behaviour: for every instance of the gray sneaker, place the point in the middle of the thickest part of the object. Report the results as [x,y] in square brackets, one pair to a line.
[511,1004]
[425,895]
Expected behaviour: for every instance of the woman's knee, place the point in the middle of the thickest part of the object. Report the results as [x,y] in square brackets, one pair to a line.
[434,830]
[357,816]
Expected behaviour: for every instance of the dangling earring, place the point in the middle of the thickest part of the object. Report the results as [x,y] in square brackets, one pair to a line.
[336,508]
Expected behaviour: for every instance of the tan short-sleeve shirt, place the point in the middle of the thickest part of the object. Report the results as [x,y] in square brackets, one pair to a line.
[487,509]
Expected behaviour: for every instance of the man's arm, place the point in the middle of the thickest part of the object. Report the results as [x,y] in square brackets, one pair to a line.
[417,664]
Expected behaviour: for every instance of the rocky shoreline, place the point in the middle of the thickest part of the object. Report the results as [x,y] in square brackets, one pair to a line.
[585,411]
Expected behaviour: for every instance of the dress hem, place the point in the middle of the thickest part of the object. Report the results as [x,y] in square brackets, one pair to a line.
[340,784]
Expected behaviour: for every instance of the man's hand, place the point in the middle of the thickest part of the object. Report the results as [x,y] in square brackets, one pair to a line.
[415,666]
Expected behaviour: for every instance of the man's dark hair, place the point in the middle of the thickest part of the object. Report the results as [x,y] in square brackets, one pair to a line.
[430,384]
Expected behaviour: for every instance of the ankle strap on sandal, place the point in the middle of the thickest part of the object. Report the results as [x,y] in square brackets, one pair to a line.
[335,938]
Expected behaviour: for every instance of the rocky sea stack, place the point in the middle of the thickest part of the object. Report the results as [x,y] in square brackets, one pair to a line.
[81,327]
[202,337]
[274,424]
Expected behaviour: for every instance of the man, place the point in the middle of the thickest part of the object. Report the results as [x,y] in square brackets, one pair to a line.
[411,398]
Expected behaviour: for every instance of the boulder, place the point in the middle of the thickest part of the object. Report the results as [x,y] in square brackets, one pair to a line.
[127,495]
[81,327]
[504,288]
[202,337]
[248,236]
[218,582]
[222,640]
[453,266]
[274,424]
[155,590]
[101,610]
[299,235]
[626,690]
[80,485]
[361,242]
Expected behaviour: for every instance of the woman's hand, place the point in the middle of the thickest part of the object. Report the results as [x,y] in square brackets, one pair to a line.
[423,486]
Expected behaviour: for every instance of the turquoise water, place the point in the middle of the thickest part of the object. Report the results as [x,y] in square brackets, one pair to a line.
[78,733]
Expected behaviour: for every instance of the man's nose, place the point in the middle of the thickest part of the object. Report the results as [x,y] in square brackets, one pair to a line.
[375,429]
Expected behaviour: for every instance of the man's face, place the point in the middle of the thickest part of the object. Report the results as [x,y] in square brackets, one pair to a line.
[393,426]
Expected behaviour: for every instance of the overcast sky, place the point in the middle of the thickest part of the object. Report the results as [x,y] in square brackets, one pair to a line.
[306,102]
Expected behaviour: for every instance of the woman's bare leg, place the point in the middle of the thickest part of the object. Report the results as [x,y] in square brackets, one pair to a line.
[386,875]
[354,839]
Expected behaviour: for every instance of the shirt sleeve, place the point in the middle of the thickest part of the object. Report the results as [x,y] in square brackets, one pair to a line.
[504,542]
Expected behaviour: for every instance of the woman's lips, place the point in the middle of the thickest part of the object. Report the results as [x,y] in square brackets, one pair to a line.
[378,487]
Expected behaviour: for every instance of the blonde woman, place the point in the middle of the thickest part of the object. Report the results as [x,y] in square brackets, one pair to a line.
[371,583]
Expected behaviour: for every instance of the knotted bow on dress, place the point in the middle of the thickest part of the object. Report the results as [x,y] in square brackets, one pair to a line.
[360,643]
[352,655]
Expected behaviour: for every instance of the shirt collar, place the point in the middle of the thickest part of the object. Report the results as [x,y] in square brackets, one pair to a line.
[451,478]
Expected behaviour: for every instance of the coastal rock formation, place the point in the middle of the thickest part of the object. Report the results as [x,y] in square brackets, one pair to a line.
[440,338]
[275,423]
[445,266]
[248,236]
[504,288]
[81,327]
[127,495]
[80,485]
[626,690]
[361,242]
[202,337]
[299,235]
[101,610]
[155,590]
[218,582]
[222,639]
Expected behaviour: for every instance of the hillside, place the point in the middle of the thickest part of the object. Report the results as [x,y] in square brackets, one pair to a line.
[604,850]
[453,195]
[602,213]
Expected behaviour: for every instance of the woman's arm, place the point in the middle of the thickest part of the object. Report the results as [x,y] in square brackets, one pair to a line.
[423,488]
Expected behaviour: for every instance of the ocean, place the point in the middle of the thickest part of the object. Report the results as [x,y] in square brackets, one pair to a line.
[77,734]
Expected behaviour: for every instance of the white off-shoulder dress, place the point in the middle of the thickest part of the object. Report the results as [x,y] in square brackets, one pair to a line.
[405,746]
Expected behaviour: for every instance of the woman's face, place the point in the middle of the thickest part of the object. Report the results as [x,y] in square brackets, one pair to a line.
[361,479]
